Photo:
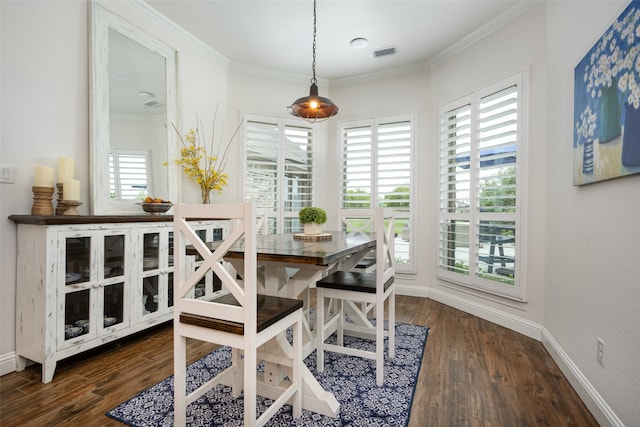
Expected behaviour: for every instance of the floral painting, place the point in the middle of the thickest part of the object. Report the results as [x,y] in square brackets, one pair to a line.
[606,134]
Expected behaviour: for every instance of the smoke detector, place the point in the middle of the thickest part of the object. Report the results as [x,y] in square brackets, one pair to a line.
[359,43]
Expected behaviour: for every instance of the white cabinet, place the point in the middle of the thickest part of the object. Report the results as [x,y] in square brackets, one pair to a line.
[88,280]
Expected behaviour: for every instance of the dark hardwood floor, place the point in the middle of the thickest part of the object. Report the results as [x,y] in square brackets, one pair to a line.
[474,373]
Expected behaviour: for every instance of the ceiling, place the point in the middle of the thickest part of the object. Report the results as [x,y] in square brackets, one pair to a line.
[277,35]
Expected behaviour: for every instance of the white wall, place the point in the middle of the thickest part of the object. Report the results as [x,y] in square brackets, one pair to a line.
[44,116]
[592,275]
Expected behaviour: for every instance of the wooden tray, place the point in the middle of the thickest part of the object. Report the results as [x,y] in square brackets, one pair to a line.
[321,237]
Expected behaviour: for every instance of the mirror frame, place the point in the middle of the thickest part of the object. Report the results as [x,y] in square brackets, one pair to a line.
[101,20]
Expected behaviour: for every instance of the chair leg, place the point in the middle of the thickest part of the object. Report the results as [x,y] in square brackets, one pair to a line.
[179,380]
[250,361]
[238,369]
[340,330]
[297,368]
[392,325]
[320,314]
[379,344]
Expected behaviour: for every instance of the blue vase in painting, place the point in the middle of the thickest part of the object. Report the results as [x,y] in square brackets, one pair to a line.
[609,113]
[631,137]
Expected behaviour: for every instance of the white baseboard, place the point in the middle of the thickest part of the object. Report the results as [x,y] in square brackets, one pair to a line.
[8,363]
[412,291]
[515,323]
[589,395]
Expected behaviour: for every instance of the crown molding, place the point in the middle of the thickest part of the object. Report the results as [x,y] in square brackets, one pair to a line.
[393,72]
[253,70]
[144,9]
[516,11]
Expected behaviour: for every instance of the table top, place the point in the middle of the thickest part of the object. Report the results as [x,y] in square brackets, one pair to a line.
[284,248]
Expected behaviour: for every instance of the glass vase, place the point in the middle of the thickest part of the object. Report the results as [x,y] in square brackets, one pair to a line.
[206,195]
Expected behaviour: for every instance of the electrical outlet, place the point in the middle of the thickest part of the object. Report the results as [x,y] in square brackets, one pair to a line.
[600,352]
[6,174]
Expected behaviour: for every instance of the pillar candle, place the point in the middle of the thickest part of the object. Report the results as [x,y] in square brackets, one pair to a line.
[66,168]
[71,189]
[43,176]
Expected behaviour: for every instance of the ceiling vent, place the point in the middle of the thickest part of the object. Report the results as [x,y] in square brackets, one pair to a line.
[384,52]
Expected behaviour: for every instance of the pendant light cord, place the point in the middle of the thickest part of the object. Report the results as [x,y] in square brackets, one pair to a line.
[313,66]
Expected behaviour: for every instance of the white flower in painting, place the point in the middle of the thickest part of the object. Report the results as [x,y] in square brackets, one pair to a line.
[586,126]
[616,57]
[628,82]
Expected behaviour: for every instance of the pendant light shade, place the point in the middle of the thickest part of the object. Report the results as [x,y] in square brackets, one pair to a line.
[313,108]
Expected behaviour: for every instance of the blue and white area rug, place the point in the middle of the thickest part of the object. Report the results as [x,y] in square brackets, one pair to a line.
[350,379]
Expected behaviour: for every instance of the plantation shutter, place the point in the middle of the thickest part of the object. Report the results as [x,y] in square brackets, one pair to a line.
[455,188]
[479,189]
[357,168]
[279,169]
[131,167]
[376,170]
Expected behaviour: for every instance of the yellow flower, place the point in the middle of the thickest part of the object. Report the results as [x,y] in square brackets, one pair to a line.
[201,166]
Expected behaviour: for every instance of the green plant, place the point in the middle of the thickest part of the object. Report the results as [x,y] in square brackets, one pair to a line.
[312,215]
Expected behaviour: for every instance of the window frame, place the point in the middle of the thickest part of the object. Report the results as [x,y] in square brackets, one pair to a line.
[473,280]
[374,124]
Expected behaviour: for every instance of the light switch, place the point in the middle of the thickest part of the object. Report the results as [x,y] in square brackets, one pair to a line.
[6,174]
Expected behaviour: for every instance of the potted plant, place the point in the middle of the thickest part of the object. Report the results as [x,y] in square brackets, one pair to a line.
[312,218]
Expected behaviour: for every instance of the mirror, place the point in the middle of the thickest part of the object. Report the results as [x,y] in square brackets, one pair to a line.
[133,103]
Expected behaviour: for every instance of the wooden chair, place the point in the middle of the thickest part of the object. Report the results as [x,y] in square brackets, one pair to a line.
[372,289]
[240,318]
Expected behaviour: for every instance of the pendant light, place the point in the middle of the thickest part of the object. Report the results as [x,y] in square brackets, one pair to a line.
[313,107]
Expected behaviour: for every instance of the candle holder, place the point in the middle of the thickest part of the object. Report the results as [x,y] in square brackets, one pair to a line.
[71,206]
[60,207]
[42,201]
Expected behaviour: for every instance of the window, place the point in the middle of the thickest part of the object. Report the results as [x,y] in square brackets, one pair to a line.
[279,169]
[480,189]
[129,174]
[375,157]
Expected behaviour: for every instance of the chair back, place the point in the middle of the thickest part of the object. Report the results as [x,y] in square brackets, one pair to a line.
[262,222]
[241,284]
[381,222]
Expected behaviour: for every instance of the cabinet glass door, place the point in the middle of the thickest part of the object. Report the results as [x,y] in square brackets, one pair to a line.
[151,273]
[113,306]
[113,263]
[150,295]
[156,291]
[113,298]
[77,314]
[77,252]
[77,260]
[150,251]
